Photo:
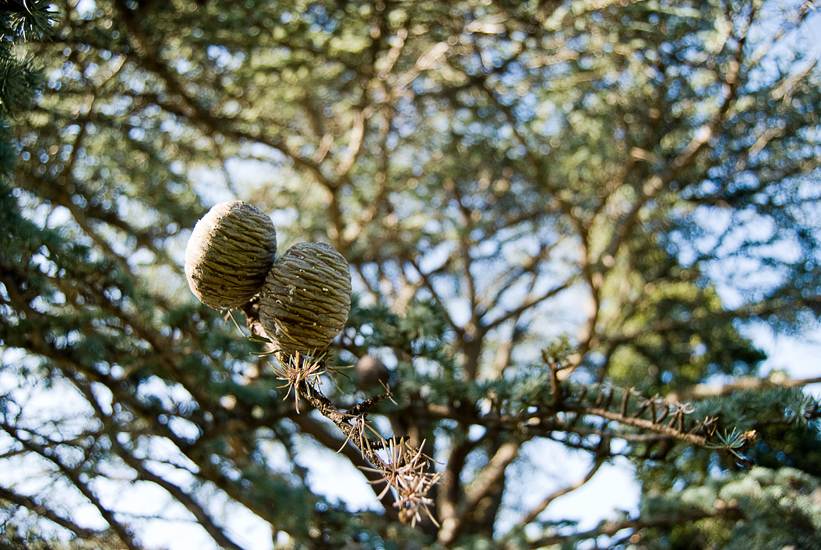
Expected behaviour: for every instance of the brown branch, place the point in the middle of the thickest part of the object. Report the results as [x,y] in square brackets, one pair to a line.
[703,391]
[148,416]
[252,320]
[51,190]
[450,487]
[541,426]
[393,54]
[529,303]
[504,354]
[355,433]
[504,282]
[55,191]
[208,472]
[648,425]
[202,517]
[358,266]
[610,528]
[700,138]
[164,353]
[534,513]
[354,145]
[42,511]
[426,61]
[74,476]
[144,53]
[555,384]
[313,428]
[428,283]
[479,489]
[340,419]
[536,162]
[806,8]
[744,312]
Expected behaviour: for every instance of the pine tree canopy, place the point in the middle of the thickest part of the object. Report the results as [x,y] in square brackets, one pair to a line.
[560,224]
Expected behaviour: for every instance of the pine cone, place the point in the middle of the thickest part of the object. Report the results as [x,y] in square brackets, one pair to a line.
[306,298]
[230,252]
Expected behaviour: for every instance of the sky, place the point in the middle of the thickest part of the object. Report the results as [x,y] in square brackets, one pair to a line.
[612,488]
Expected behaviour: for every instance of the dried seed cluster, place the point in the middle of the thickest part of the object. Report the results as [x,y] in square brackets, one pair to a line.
[404,473]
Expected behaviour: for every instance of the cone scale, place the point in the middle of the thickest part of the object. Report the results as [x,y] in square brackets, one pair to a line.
[306,298]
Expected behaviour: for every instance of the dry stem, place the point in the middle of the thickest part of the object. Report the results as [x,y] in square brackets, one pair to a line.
[402,470]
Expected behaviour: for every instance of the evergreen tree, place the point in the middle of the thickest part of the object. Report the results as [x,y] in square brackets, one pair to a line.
[561,220]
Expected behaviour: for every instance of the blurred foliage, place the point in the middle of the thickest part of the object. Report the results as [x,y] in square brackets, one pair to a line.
[561,217]
[779,508]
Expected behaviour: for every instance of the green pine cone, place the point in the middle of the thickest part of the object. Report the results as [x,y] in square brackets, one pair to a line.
[230,252]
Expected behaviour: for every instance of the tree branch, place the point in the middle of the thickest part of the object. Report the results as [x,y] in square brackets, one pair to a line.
[450,487]
[529,303]
[192,109]
[74,476]
[647,425]
[703,391]
[610,528]
[321,435]
[744,312]
[353,426]
[479,489]
[45,512]
[534,513]
[202,517]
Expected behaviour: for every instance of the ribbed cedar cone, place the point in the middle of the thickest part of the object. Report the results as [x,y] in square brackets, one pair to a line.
[230,252]
[306,298]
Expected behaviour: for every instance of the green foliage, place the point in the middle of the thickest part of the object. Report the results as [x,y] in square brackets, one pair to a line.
[26,20]
[762,508]
[20,21]
[19,78]
[677,330]
[767,428]
[561,219]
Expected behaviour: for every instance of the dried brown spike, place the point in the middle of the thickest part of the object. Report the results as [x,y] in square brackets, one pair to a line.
[230,252]
[306,298]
